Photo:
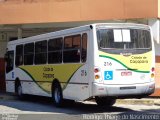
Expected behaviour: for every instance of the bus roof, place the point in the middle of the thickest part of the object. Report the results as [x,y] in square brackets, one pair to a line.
[77,29]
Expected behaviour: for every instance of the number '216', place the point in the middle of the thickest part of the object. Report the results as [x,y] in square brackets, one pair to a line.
[107,64]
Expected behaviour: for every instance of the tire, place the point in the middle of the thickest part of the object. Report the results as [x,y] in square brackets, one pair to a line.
[104,101]
[57,95]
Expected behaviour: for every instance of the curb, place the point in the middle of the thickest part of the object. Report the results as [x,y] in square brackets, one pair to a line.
[8,96]
[144,101]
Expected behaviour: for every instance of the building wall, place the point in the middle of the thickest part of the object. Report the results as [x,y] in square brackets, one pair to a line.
[158,8]
[45,11]
[157,68]
[2,48]
[20,12]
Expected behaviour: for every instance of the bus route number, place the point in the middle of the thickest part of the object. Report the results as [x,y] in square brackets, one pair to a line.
[107,64]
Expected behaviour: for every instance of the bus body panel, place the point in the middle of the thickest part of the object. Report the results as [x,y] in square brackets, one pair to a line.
[125,90]
[120,69]
[124,74]
[78,79]
[79,87]
[37,79]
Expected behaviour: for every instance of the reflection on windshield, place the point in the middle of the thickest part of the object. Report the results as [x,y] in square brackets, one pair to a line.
[140,39]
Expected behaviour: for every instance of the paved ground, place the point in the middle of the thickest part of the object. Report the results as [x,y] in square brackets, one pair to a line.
[39,108]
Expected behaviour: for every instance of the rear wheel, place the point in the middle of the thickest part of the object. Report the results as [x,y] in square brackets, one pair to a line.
[104,101]
[57,95]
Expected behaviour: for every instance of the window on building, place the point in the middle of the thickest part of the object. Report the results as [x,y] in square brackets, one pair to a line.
[71,52]
[41,52]
[28,53]
[19,55]
[84,47]
[55,50]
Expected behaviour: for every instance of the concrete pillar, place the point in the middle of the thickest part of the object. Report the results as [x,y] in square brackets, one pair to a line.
[19,35]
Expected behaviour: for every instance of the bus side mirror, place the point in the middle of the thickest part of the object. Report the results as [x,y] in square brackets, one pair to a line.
[6,57]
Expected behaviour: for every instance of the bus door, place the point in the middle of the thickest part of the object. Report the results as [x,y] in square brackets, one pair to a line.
[9,58]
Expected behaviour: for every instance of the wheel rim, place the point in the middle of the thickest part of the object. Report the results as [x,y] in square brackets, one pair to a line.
[57,95]
[19,90]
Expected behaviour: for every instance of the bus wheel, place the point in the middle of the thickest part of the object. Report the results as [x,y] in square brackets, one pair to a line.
[104,101]
[57,95]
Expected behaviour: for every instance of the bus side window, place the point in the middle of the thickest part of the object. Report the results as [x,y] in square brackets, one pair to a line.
[84,47]
[9,61]
[41,52]
[28,53]
[19,55]
[71,52]
[55,50]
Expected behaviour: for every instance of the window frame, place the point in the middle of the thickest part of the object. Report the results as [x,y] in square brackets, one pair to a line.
[40,53]
[31,53]
[56,50]
[8,67]
[82,47]
[72,49]
[19,55]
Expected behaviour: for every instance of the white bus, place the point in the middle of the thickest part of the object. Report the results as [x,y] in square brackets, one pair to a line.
[101,61]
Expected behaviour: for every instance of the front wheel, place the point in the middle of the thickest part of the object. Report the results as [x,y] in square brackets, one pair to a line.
[57,95]
[104,101]
[19,91]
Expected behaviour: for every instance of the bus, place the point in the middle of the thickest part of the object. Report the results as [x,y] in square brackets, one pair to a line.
[102,61]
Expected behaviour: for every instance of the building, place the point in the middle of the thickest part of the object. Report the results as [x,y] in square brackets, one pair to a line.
[23,18]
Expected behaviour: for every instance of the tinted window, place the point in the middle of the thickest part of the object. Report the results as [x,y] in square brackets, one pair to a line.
[19,55]
[55,57]
[28,53]
[84,48]
[55,50]
[41,46]
[41,52]
[10,61]
[71,51]
[106,39]
[55,44]
[139,39]
[76,42]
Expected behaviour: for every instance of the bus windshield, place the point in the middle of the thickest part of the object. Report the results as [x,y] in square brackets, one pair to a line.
[124,39]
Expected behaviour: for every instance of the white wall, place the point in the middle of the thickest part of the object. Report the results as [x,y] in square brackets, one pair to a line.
[157,48]
[155,25]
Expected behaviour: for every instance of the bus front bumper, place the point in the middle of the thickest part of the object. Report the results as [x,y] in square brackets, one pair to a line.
[123,90]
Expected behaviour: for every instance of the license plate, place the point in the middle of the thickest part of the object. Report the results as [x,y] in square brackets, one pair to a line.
[128,73]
